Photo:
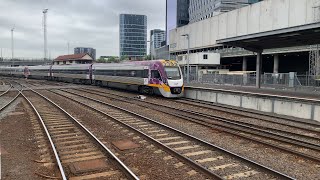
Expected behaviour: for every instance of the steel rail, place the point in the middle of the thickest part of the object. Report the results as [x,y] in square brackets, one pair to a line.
[276,173]
[257,131]
[248,125]
[314,123]
[313,158]
[62,173]
[125,169]
[6,91]
[12,100]
[161,145]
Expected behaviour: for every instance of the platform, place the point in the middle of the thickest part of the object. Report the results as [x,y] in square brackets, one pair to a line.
[312,95]
[305,105]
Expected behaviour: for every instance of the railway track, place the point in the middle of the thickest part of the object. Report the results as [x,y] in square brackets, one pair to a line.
[283,142]
[77,152]
[13,92]
[5,92]
[207,158]
[298,124]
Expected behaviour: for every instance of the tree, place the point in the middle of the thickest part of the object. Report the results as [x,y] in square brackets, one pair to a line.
[101,60]
[147,57]
[125,57]
[113,59]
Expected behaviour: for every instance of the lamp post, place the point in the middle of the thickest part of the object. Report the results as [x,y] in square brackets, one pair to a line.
[150,49]
[188,59]
[12,46]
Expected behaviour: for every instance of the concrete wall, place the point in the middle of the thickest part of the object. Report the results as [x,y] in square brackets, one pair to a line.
[260,17]
[281,106]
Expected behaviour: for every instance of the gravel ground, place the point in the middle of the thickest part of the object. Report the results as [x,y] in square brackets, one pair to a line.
[3,88]
[18,145]
[251,115]
[4,100]
[147,161]
[278,160]
[309,136]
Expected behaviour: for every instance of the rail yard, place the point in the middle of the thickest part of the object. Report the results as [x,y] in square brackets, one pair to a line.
[67,131]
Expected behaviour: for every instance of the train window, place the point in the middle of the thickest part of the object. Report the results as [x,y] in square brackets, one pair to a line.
[155,74]
[133,73]
[145,73]
[124,73]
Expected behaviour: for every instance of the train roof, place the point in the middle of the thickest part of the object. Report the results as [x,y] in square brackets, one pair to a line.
[119,66]
[74,66]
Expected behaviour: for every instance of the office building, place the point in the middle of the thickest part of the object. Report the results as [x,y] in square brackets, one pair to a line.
[133,36]
[88,50]
[203,9]
[177,14]
[182,12]
[157,36]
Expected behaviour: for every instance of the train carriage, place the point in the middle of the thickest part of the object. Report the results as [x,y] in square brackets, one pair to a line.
[12,71]
[165,77]
[124,76]
[162,77]
[80,74]
[38,72]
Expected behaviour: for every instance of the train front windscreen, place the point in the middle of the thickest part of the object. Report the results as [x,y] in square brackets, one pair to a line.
[173,73]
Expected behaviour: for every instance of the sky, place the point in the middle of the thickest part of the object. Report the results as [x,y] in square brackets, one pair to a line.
[82,23]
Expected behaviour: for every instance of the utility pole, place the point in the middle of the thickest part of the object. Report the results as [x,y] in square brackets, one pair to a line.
[12,46]
[68,47]
[188,60]
[1,54]
[45,32]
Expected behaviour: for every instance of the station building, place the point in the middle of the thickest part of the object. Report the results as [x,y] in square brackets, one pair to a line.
[232,40]
[82,58]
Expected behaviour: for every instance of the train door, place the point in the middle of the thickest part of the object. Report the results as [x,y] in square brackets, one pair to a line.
[90,74]
[26,72]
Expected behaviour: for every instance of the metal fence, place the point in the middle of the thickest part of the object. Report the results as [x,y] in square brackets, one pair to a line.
[279,80]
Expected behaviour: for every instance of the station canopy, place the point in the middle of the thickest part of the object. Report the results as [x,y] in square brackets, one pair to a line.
[308,34]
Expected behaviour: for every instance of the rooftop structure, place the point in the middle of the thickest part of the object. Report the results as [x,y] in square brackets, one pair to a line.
[82,58]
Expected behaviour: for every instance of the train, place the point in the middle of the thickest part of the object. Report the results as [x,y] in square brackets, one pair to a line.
[161,77]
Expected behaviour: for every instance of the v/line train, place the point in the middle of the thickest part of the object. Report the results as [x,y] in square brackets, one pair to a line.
[162,77]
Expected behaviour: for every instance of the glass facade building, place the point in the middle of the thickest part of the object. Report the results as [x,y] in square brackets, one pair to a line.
[203,9]
[133,36]
[90,51]
[157,36]
[177,14]
[182,12]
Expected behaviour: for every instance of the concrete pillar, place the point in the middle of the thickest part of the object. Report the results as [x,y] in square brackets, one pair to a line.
[258,69]
[244,64]
[276,63]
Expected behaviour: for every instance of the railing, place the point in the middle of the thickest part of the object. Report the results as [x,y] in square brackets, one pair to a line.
[279,80]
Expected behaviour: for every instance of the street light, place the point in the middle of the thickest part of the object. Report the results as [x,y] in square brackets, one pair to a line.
[12,50]
[188,60]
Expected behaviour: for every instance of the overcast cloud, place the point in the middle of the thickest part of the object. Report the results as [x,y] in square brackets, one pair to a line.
[88,23]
